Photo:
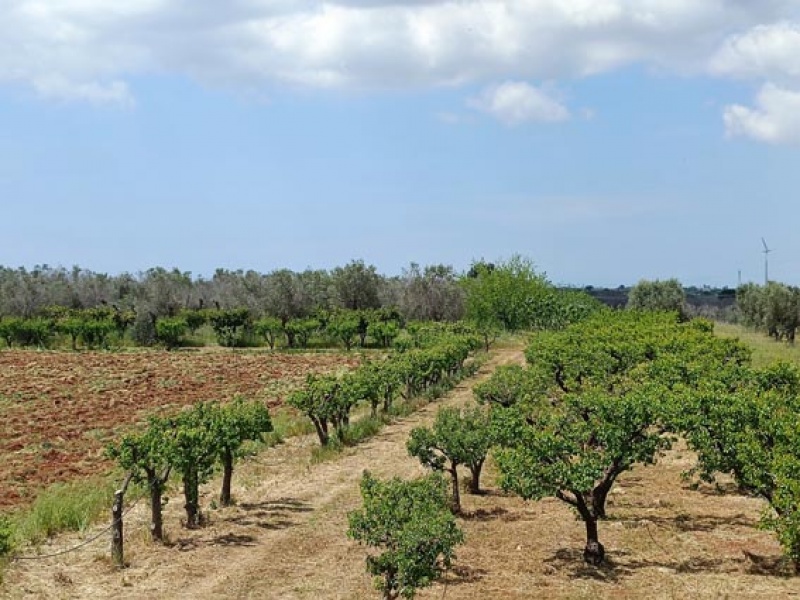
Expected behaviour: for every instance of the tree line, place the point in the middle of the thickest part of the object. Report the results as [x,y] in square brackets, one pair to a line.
[344,306]
[419,293]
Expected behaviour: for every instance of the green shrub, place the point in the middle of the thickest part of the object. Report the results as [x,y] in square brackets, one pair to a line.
[170,331]
[410,522]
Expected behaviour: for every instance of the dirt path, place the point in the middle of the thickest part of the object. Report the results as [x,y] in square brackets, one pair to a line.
[284,539]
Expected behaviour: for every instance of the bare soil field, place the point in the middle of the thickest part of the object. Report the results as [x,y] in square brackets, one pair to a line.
[59,409]
[285,538]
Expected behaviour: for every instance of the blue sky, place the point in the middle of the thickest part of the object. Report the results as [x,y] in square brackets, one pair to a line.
[609,141]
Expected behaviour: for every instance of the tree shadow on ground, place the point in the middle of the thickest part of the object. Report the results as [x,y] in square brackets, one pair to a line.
[775,565]
[270,514]
[231,539]
[716,488]
[685,522]
[631,481]
[620,564]
[492,514]
[463,575]
[493,493]
[570,560]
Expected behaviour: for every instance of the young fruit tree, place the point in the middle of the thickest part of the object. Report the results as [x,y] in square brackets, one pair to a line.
[576,450]
[232,425]
[194,450]
[411,526]
[456,438]
[749,427]
[322,401]
[270,328]
[149,453]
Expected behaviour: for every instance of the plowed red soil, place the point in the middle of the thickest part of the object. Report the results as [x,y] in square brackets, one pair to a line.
[58,410]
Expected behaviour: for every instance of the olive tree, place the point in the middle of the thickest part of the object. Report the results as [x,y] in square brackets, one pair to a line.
[356,285]
[658,295]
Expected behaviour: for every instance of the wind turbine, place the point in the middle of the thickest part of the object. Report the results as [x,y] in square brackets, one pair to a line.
[767,250]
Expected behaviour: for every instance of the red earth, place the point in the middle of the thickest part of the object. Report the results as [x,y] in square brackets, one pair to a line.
[60,409]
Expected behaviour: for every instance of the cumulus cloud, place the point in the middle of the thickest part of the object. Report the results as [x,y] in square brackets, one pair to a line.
[362,43]
[763,52]
[775,119]
[91,49]
[515,102]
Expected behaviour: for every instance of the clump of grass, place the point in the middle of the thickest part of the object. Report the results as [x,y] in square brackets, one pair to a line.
[320,454]
[63,507]
[288,423]
[363,429]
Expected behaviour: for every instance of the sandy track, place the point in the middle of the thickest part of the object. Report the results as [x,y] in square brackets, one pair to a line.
[284,539]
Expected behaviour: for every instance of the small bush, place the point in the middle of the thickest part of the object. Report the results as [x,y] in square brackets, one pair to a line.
[410,524]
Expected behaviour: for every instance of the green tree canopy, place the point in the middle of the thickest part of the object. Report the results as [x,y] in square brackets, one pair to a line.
[667,295]
[410,523]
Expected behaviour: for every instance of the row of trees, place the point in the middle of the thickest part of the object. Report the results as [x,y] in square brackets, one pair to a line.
[197,440]
[420,293]
[435,355]
[616,390]
[104,327]
[191,443]
[509,295]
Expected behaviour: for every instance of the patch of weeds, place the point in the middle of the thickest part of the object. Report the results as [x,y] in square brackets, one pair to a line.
[64,507]
[363,429]
[320,454]
[166,383]
[287,424]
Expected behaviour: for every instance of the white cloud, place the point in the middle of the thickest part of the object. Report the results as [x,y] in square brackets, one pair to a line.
[775,119]
[516,102]
[90,49]
[764,52]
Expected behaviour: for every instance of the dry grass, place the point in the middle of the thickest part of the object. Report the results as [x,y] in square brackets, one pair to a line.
[286,537]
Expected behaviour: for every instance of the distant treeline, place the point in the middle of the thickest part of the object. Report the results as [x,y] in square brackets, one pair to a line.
[420,293]
[162,307]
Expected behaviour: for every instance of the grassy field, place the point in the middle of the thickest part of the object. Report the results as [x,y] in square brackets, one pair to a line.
[765,349]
